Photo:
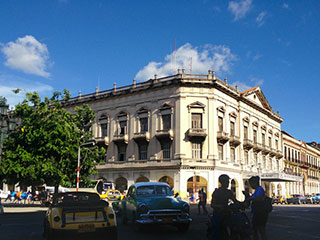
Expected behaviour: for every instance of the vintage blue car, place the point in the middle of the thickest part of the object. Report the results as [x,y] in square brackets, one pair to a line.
[154,203]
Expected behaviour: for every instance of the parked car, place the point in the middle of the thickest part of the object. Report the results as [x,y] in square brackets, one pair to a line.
[297,199]
[309,198]
[279,200]
[82,214]
[112,195]
[154,203]
[316,198]
[3,194]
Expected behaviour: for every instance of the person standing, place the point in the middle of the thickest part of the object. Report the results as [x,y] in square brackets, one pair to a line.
[259,213]
[202,202]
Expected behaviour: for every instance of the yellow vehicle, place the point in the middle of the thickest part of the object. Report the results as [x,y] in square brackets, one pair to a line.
[79,213]
[112,195]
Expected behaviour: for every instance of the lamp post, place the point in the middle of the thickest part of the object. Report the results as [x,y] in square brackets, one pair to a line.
[89,144]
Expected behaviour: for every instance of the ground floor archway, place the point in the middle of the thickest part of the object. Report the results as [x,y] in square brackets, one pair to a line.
[121,184]
[195,184]
[142,179]
[167,179]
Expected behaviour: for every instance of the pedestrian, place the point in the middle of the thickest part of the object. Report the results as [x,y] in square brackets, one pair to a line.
[202,202]
[221,213]
[259,212]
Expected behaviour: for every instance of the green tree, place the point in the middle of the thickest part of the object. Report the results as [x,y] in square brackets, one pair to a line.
[43,149]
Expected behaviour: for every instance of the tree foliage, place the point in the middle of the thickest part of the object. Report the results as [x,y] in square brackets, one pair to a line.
[43,148]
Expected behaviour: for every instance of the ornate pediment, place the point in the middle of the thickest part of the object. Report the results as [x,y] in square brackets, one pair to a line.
[256,95]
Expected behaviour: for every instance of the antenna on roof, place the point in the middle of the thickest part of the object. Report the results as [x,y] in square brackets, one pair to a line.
[98,82]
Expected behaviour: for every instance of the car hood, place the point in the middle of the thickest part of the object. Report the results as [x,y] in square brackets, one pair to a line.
[161,202]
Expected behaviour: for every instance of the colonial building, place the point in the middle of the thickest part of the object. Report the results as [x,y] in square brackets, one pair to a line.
[302,160]
[187,130]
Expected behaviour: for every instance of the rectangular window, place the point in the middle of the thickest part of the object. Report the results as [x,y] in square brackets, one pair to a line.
[270,142]
[166,121]
[220,124]
[122,152]
[123,127]
[285,153]
[143,150]
[245,132]
[220,150]
[263,139]
[276,144]
[264,164]
[143,125]
[165,147]
[255,136]
[232,128]
[104,129]
[256,159]
[233,154]
[246,157]
[196,121]
[196,150]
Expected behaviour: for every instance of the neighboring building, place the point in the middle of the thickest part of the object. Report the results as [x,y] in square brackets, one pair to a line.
[302,160]
[187,130]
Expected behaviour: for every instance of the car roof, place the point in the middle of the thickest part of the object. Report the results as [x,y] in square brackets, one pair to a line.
[140,184]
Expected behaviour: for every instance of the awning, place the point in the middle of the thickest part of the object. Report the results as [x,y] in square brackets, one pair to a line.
[275,177]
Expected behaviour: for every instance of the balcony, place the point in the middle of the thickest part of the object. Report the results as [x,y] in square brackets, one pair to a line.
[222,137]
[197,133]
[141,136]
[265,149]
[102,140]
[121,136]
[273,152]
[279,154]
[257,147]
[234,140]
[164,134]
[247,144]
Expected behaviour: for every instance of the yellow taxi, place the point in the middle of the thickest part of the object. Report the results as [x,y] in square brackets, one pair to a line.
[82,214]
[112,195]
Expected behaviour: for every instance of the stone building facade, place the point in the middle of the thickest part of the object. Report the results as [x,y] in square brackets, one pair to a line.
[302,160]
[187,130]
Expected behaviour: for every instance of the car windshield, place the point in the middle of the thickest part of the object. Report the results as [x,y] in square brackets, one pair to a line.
[153,190]
[111,193]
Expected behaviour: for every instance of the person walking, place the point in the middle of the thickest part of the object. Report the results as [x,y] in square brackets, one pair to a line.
[259,211]
[202,202]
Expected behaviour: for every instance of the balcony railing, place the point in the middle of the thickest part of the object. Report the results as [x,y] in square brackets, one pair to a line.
[164,134]
[141,136]
[257,147]
[247,143]
[121,135]
[222,137]
[197,133]
[265,148]
[102,140]
[234,140]
[279,154]
[273,152]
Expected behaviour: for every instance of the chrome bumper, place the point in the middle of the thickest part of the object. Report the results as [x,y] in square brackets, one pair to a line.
[164,217]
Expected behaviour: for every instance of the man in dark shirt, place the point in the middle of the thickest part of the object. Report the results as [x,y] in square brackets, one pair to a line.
[202,202]
[219,203]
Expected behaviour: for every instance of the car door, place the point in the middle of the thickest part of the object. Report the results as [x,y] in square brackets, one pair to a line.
[131,203]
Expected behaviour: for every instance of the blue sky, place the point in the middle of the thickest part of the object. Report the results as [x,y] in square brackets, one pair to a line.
[50,45]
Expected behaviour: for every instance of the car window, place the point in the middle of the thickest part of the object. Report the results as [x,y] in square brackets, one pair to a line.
[152,190]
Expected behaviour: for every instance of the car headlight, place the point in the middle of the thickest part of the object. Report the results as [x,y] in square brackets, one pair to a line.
[56,218]
[142,209]
[186,207]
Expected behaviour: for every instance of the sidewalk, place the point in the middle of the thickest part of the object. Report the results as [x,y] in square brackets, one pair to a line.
[22,204]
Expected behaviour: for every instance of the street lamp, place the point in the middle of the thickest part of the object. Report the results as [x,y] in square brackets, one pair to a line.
[88,144]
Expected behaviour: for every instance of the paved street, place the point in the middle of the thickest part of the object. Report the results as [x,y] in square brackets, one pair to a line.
[286,222]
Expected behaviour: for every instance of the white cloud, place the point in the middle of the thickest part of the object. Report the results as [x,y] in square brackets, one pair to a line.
[27,54]
[261,18]
[285,5]
[204,58]
[9,83]
[239,9]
